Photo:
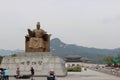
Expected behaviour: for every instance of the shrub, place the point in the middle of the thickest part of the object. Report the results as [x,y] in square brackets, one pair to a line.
[14,55]
[74,69]
[1,59]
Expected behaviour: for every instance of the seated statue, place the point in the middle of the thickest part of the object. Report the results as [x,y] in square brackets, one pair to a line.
[37,40]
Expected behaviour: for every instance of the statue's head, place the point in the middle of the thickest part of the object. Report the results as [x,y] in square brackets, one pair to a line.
[38,25]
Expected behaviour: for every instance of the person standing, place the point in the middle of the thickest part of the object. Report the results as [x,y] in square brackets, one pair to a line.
[6,74]
[32,71]
[2,74]
[18,72]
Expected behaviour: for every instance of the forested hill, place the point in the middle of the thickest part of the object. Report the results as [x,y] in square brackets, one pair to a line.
[94,54]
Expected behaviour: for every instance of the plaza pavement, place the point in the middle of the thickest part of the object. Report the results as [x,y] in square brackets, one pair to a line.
[84,75]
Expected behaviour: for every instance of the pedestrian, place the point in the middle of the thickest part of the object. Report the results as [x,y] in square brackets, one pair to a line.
[32,71]
[18,73]
[6,74]
[2,74]
[51,75]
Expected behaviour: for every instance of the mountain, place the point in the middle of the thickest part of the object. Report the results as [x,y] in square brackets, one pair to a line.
[62,49]
[4,52]
[95,55]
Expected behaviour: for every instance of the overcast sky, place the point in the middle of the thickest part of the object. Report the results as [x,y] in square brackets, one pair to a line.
[89,23]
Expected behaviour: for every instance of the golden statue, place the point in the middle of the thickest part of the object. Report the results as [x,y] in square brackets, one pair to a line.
[37,40]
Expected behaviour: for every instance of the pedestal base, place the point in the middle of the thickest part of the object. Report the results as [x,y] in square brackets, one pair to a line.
[42,62]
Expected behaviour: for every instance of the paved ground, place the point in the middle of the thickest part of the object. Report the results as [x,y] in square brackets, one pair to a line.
[85,75]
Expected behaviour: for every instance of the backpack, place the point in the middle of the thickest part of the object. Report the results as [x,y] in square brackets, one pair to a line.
[51,77]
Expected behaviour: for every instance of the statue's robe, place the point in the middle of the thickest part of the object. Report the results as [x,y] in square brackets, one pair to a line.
[37,41]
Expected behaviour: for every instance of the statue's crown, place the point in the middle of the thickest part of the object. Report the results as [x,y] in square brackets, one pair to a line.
[38,23]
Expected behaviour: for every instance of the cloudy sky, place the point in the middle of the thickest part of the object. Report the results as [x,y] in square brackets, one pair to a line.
[89,23]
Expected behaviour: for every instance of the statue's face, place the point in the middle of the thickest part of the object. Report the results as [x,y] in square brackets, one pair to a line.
[38,26]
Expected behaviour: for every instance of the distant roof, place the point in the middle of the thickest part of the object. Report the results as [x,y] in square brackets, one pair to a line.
[84,59]
[73,56]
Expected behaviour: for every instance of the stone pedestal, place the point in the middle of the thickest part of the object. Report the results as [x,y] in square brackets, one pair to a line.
[42,62]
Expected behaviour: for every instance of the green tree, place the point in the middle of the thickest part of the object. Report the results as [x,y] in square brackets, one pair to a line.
[1,57]
[119,57]
[14,55]
[108,60]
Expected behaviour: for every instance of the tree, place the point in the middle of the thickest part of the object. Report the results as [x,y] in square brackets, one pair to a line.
[1,57]
[108,60]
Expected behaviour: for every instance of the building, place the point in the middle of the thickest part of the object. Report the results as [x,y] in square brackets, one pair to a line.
[75,60]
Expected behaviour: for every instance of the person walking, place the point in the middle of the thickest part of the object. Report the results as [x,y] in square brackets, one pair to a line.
[32,71]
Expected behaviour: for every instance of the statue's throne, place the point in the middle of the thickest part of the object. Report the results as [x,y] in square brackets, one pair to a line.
[46,38]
